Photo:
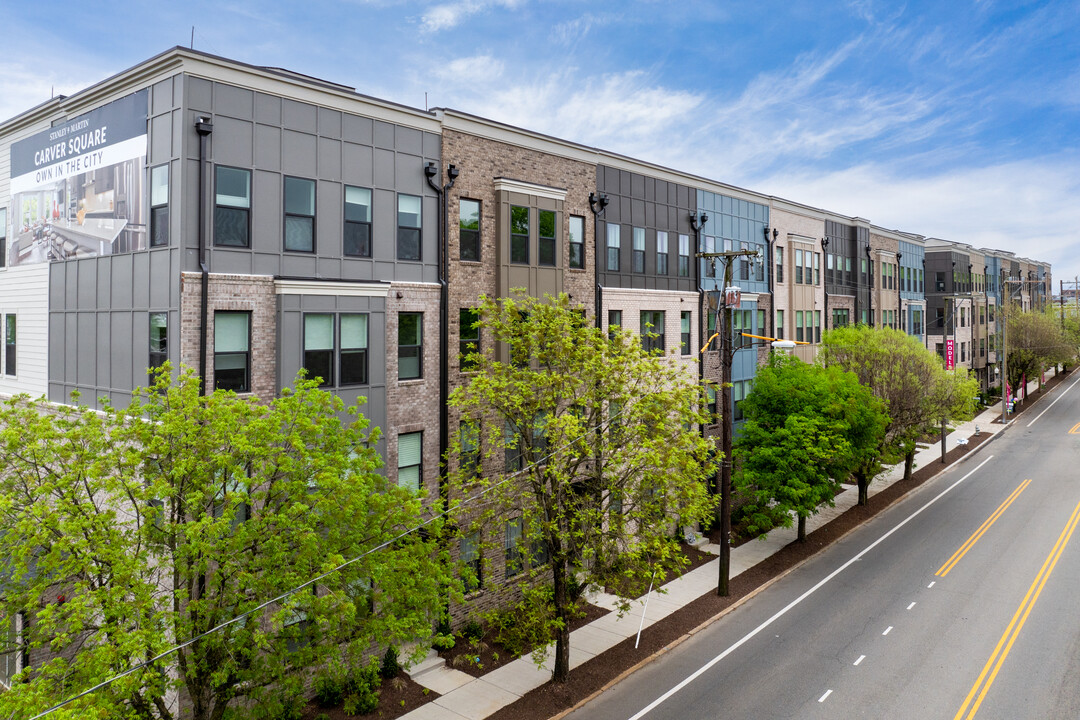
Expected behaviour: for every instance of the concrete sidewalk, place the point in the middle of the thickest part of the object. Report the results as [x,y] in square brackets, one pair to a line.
[463,697]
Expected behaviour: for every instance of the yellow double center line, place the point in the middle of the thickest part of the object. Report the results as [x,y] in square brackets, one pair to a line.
[990,670]
[951,563]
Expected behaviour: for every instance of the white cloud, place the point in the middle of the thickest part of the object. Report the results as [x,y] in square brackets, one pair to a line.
[451,14]
[22,88]
[1027,207]
[477,69]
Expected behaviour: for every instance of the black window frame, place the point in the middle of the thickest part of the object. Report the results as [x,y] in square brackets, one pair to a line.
[327,355]
[779,325]
[286,215]
[418,465]
[685,321]
[245,385]
[3,236]
[158,347]
[519,241]
[637,255]
[473,560]
[10,344]
[468,337]
[577,247]
[662,255]
[469,440]
[684,259]
[547,253]
[652,332]
[351,351]
[413,350]
[469,240]
[416,232]
[221,210]
[363,227]
[614,320]
[159,212]
[612,261]
[779,264]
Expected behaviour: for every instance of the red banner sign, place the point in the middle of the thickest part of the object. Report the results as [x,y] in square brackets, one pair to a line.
[950,354]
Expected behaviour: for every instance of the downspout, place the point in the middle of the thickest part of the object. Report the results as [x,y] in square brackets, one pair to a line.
[430,171]
[597,204]
[869,284]
[697,223]
[897,278]
[825,285]
[203,127]
[770,268]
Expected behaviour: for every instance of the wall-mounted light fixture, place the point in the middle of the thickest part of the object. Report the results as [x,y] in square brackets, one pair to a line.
[597,203]
[698,222]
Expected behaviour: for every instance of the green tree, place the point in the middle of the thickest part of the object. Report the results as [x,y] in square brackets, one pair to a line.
[1035,340]
[610,462]
[128,531]
[909,379]
[807,428]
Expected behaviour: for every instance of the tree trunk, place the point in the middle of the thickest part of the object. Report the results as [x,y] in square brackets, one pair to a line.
[561,671]
[909,463]
[864,488]
[726,353]
[802,529]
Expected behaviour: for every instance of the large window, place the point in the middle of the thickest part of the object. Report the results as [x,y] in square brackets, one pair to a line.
[3,237]
[779,324]
[519,234]
[614,321]
[708,245]
[652,330]
[357,239]
[159,206]
[798,266]
[839,317]
[799,325]
[232,357]
[469,434]
[470,338]
[410,338]
[409,225]
[159,339]
[319,347]
[577,241]
[684,256]
[469,229]
[779,264]
[661,253]
[613,244]
[410,455]
[354,349]
[639,250]
[299,214]
[472,562]
[513,548]
[817,268]
[232,207]
[817,326]
[545,221]
[9,345]
[684,332]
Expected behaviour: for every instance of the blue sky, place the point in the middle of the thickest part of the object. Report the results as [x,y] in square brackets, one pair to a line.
[958,120]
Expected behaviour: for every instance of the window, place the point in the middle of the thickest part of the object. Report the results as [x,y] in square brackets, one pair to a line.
[779,264]
[708,245]
[546,242]
[710,394]
[577,242]
[299,214]
[159,206]
[319,348]
[760,329]
[232,342]
[684,332]
[744,263]
[232,207]
[469,345]
[513,457]
[469,229]
[798,267]
[840,317]
[684,256]
[159,339]
[940,281]
[807,261]
[519,234]
[817,268]
[410,451]
[639,250]
[3,239]
[799,325]
[661,253]
[738,394]
[817,326]
[514,555]
[847,264]
[613,241]
[410,337]
[9,342]
[711,329]
[779,324]
[614,321]
[652,330]
[353,360]
[357,239]
[759,265]
[469,435]
[470,559]
[409,227]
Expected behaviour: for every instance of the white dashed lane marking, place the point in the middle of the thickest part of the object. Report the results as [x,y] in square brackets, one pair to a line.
[827,694]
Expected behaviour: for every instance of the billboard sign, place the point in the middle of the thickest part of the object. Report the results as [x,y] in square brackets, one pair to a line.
[950,354]
[77,188]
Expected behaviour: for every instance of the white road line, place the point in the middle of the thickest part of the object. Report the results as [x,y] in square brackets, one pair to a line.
[911,606]
[1055,402]
[861,658]
[887,630]
[931,585]
[827,694]
[783,611]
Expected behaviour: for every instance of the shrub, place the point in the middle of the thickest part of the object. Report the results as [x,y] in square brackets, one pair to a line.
[473,630]
[328,689]
[361,689]
[390,667]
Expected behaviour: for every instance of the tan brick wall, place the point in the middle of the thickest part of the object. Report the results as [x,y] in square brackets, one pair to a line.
[251,293]
[413,405]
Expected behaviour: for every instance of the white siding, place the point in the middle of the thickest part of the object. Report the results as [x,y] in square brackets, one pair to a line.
[24,292]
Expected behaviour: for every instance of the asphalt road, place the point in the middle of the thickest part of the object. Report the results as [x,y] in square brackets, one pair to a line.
[961,601]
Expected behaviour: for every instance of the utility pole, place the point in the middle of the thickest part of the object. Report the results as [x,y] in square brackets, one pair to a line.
[727,353]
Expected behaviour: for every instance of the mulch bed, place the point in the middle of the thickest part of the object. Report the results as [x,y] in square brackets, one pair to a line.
[552,699]
[397,696]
